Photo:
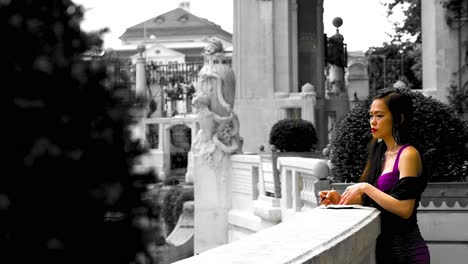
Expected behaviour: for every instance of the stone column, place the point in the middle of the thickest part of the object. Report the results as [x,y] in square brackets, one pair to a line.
[294,48]
[311,58]
[254,49]
[443,54]
[430,53]
[140,91]
[311,44]
[140,87]
[282,35]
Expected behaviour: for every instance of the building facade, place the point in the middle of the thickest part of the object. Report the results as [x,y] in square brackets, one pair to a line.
[279,61]
[177,36]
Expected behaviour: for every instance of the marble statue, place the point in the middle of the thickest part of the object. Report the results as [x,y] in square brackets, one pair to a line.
[214,101]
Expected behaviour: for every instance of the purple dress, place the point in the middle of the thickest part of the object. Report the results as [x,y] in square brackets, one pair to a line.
[400,240]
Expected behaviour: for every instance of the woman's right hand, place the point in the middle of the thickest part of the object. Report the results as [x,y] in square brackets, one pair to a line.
[329,197]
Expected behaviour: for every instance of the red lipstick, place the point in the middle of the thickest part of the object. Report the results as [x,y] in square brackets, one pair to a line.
[373,130]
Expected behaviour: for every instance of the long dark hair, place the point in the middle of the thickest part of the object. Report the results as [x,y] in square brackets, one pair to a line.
[401,107]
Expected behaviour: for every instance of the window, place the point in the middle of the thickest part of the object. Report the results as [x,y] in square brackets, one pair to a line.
[160,20]
[183,19]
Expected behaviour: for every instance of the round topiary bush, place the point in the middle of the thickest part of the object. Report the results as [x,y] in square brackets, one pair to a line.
[293,135]
[439,134]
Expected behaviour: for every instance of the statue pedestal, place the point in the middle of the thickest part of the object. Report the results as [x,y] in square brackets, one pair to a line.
[212,203]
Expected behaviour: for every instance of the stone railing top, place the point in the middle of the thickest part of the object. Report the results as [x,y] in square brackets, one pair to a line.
[307,236]
[246,158]
[317,166]
[172,120]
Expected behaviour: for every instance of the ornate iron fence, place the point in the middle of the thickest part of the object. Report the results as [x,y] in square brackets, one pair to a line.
[181,73]
[173,85]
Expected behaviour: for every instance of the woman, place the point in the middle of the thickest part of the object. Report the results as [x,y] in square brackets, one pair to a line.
[392,181]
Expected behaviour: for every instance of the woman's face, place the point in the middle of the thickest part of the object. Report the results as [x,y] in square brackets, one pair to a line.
[380,119]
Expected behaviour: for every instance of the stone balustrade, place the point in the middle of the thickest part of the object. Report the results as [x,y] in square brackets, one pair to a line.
[300,180]
[265,229]
[252,209]
[294,229]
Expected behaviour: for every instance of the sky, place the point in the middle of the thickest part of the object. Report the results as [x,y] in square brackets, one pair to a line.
[364,21]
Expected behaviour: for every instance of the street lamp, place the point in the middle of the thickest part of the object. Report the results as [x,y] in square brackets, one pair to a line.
[384,68]
[401,50]
[402,54]
[145,38]
[384,58]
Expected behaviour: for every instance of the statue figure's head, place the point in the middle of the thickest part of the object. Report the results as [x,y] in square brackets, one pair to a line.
[224,133]
[214,46]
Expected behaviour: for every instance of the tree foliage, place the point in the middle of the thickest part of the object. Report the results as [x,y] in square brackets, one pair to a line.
[412,23]
[458,98]
[69,192]
[402,57]
[439,134]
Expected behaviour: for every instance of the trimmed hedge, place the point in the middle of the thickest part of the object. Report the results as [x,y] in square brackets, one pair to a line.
[439,134]
[293,135]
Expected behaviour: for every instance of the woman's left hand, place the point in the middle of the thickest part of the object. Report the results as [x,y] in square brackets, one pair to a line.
[352,193]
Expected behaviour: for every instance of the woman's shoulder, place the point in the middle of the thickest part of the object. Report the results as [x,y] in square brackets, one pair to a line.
[410,163]
[410,152]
